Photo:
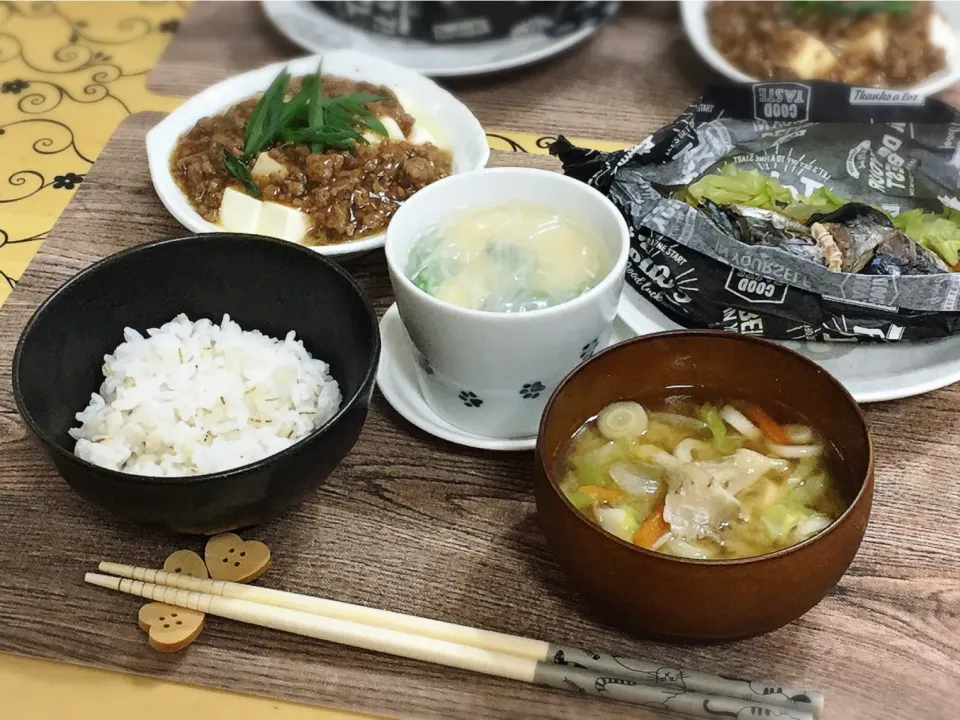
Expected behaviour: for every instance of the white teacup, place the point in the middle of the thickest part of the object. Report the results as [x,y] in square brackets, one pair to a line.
[491,373]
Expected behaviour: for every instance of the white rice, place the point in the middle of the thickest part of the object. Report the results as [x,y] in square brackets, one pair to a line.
[195,397]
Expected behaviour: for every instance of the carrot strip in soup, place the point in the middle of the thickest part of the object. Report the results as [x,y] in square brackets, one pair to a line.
[602,493]
[651,529]
[770,427]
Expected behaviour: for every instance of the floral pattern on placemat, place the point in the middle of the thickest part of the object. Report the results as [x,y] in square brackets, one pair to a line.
[69,74]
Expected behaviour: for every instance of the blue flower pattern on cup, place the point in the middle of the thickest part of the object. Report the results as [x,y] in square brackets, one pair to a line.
[531,391]
[589,349]
[470,399]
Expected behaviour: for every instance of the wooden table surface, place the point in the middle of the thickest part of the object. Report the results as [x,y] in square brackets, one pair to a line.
[414,524]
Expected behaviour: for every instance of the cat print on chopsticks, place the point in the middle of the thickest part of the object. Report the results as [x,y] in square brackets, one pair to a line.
[671,678]
[571,685]
[752,712]
[761,689]
[606,687]
[560,658]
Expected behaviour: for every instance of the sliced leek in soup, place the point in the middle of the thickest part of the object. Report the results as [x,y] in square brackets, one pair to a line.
[703,480]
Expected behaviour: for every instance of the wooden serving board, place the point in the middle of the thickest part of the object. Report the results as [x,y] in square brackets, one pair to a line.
[413,524]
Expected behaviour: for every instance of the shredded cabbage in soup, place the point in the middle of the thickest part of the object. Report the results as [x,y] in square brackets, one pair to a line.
[704,481]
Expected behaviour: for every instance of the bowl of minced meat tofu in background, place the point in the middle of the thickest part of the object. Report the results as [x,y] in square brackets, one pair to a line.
[204,383]
[320,151]
[910,46]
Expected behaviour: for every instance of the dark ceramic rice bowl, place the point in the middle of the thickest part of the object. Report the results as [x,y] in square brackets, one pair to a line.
[263,284]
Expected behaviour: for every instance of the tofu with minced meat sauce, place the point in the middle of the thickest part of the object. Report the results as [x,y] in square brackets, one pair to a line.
[310,197]
[282,222]
[265,166]
[239,212]
[419,135]
[873,42]
[242,213]
[810,58]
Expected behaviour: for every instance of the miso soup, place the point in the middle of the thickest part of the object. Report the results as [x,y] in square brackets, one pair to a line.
[704,480]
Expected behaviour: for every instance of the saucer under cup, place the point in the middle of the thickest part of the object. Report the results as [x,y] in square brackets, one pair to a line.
[491,373]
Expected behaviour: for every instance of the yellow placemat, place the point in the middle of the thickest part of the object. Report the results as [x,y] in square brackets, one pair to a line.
[43,690]
[70,72]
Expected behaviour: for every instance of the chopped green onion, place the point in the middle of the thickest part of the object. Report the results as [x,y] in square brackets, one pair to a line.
[309,116]
[374,124]
[265,115]
[237,168]
[315,109]
[850,7]
[344,139]
[357,99]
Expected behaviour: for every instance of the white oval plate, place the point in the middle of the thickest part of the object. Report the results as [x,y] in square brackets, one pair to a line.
[871,373]
[465,137]
[397,380]
[693,13]
[316,31]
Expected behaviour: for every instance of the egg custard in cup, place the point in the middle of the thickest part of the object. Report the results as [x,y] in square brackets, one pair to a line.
[506,279]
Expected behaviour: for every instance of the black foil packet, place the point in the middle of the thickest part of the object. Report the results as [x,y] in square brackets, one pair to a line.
[889,148]
[445,23]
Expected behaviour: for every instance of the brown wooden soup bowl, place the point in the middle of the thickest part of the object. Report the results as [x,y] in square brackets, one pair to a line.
[703,601]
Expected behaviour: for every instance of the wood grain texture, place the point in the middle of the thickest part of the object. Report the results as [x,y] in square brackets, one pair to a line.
[413,524]
[611,87]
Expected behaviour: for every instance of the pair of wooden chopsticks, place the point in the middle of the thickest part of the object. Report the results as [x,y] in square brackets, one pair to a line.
[534,661]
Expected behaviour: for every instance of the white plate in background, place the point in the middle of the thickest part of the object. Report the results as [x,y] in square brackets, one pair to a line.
[870,372]
[694,16]
[316,31]
[464,136]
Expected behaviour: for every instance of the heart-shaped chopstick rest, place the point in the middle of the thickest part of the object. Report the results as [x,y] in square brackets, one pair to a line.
[171,628]
[230,557]
[186,562]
